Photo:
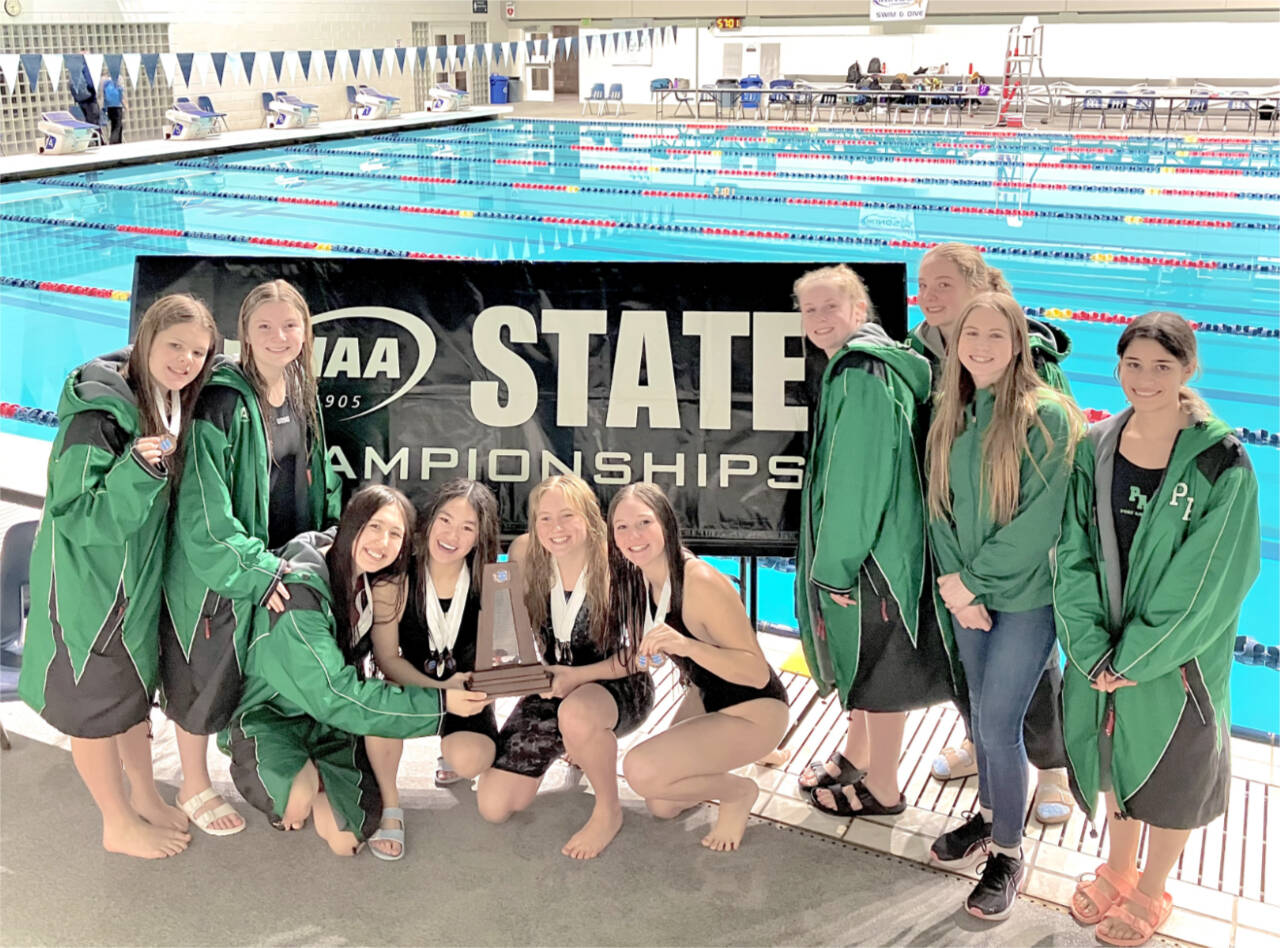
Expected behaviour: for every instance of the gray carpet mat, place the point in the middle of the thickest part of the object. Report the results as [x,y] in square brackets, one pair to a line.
[465,882]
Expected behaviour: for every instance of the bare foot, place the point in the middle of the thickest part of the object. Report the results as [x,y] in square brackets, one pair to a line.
[231,821]
[134,837]
[775,758]
[302,795]
[732,822]
[598,832]
[148,804]
[341,842]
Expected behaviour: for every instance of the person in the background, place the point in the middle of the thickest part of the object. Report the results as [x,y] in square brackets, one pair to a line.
[113,99]
[1159,546]
[85,92]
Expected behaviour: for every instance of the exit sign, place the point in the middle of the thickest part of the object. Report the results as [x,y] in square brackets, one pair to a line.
[728,23]
[479,6]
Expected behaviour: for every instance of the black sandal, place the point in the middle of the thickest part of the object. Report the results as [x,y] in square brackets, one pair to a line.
[870,805]
[848,772]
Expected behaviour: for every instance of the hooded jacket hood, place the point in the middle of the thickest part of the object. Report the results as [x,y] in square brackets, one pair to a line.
[98,386]
[910,366]
[1047,341]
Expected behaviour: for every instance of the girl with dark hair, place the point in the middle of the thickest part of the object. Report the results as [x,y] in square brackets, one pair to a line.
[433,645]
[292,739]
[91,655]
[735,707]
[998,456]
[596,696]
[259,477]
[949,278]
[865,610]
[1159,547]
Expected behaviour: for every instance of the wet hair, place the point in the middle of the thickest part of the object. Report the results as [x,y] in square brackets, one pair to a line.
[843,278]
[164,313]
[579,497]
[1018,393]
[628,590]
[360,509]
[977,274]
[485,550]
[1175,335]
[300,378]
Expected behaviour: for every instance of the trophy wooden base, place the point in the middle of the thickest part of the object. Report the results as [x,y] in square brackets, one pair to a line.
[511,681]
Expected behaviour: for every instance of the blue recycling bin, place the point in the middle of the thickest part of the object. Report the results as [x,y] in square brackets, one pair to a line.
[499,89]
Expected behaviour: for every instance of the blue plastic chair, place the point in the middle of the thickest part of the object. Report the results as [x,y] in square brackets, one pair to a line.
[684,98]
[615,97]
[206,104]
[780,98]
[595,100]
[1239,104]
[751,96]
[1093,103]
[267,114]
[1198,106]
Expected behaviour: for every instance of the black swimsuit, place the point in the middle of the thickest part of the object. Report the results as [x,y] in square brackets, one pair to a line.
[718,694]
[530,740]
[415,647]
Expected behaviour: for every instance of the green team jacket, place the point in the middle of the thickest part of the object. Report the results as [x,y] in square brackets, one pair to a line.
[296,667]
[219,565]
[98,557]
[1172,626]
[1049,346]
[1005,567]
[861,500]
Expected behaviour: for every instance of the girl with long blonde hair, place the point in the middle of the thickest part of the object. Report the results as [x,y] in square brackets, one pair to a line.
[596,696]
[258,475]
[998,456]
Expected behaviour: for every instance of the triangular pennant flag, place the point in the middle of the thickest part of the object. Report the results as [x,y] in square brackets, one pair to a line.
[673,33]
[184,63]
[53,66]
[543,46]
[277,60]
[291,61]
[528,49]
[478,52]
[590,37]
[559,50]
[94,62]
[628,34]
[246,59]
[400,54]
[460,54]
[9,71]
[441,53]
[511,52]
[133,66]
[169,63]
[651,36]
[573,46]
[495,53]
[219,61]
[409,60]
[203,63]
[31,66]
[354,56]
[423,56]
[377,59]
[113,61]
[304,60]
[330,57]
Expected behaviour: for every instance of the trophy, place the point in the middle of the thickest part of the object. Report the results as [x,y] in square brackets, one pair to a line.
[506,661]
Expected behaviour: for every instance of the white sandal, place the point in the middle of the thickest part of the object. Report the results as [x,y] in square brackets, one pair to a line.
[209,816]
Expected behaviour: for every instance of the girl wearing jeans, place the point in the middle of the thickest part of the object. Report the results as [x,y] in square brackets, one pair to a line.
[998,457]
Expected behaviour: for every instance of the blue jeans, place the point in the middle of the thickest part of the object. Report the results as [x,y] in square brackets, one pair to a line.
[1002,667]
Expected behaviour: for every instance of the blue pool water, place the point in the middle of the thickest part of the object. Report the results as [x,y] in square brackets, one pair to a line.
[1101,224]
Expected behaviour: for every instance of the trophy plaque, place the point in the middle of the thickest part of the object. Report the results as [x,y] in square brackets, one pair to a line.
[506,661]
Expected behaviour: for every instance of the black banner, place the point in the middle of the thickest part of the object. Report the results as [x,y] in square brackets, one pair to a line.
[694,376]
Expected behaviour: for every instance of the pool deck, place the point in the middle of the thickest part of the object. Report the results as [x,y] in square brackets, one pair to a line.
[1226,888]
[17,167]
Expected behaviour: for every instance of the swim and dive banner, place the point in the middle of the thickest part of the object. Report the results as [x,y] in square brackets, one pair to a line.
[692,375]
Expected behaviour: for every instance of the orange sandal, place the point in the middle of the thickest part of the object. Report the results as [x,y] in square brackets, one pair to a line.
[1141,913]
[1087,885]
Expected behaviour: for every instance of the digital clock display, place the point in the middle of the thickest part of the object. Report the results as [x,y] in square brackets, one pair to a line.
[728,23]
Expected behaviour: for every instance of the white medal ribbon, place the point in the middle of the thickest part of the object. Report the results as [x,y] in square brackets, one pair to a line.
[442,627]
[171,418]
[564,614]
[364,620]
[664,603]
